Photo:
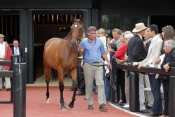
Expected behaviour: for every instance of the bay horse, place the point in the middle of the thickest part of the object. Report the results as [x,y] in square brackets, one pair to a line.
[61,55]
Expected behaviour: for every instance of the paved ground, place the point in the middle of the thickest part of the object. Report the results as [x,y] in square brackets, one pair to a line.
[36,106]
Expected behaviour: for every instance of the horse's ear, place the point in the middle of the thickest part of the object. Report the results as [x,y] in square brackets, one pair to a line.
[77,20]
[77,23]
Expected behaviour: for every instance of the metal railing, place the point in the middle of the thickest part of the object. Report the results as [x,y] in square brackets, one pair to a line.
[8,74]
[134,98]
[18,86]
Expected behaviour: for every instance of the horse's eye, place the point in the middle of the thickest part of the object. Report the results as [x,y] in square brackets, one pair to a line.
[76,25]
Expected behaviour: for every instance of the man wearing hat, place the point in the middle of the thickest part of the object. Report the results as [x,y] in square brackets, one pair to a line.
[5,53]
[136,53]
[136,50]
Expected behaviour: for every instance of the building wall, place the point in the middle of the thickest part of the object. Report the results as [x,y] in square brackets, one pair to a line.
[45,4]
[137,6]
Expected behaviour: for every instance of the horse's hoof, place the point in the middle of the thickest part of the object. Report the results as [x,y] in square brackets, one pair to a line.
[65,107]
[71,105]
[48,101]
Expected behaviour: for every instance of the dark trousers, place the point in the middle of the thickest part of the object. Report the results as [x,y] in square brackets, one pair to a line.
[80,78]
[107,86]
[155,89]
[166,94]
[120,85]
[113,82]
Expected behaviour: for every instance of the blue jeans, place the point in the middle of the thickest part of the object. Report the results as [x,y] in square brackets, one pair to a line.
[155,88]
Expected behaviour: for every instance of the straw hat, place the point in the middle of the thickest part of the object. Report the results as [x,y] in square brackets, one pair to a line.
[2,36]
[139,27]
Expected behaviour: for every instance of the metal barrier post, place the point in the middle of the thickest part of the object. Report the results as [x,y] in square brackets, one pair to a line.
[19,106]
[171,96]
[134,92]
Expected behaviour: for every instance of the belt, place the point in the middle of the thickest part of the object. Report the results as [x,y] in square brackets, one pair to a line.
[97,64]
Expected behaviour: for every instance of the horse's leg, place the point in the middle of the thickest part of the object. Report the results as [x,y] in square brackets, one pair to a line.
[47,71]
[61,86]
[75,85]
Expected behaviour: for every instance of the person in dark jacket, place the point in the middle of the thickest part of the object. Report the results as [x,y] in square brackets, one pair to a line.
[168,63]
[136,52]
[17,51]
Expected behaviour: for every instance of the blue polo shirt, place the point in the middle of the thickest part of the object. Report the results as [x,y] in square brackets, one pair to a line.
[93,50]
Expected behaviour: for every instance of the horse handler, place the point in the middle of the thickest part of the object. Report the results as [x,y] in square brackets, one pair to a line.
[93,50]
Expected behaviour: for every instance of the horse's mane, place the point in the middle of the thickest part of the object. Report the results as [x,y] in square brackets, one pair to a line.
[69,35]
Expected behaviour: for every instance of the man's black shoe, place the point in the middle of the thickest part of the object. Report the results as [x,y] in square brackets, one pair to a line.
[90,107]
[145,111]
[102,108]
[154,114]
[8,89]
[121,103]
[148,107]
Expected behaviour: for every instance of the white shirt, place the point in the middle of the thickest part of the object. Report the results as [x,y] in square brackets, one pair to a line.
[2,50]
[154,51]
[16,51]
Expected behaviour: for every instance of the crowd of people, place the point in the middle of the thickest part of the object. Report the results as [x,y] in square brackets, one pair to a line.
[145,46]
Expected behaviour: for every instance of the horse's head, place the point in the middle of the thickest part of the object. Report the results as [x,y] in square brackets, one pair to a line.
[77,29]
[76,33]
